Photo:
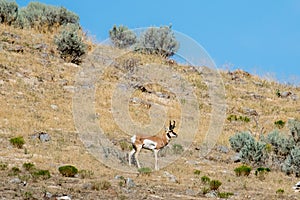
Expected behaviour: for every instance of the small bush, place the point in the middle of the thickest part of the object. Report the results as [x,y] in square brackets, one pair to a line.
[68,170]
[17,142]
[214,184]
[177,149]
[292,163]
[125,146]
[102,185]
[261,172]
[28,166]
[3,166]
[280,191]
[279,124]
[122,37]
[225,195]
[294,127]
[85,174]
[70,44]
[145,171]
[205,179]
[8,11]
[281,145]
[44,17]
[14,171]
[205,190]
[239,140]
[41,174]
[238,118]
[159,41]
[243,170]
[197,172]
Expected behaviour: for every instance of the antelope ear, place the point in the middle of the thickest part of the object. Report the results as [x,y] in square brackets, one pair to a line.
[173,124]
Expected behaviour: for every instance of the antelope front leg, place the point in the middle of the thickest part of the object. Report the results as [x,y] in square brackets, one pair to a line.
[130,156]
[156,159]
[138,149]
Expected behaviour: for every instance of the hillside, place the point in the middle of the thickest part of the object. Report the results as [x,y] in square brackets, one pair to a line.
[38,91]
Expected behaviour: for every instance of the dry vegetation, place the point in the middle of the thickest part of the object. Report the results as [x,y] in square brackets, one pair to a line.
[36,89]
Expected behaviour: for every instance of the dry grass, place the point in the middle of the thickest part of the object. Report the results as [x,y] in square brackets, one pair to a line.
[33,80]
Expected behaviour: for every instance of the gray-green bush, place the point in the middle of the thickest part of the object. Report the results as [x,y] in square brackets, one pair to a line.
[281,144]
[239,140]
[8,11]
[70,44]
[276,149]
[122,37]
[44,17]
[292,162]
[294,127]
[160,41]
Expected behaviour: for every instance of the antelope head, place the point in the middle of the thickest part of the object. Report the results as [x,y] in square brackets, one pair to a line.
[170,131]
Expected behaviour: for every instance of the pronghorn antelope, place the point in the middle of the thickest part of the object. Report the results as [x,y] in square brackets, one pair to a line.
[154,143]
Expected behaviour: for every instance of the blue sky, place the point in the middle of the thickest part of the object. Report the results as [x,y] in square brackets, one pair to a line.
[261,37]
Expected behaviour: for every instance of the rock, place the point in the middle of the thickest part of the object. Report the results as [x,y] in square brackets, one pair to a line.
[40,46]
[170,177]
[236,158]
[190,192]
[54,107]
[87,186]
[285,94]
[69,88]
[211,194]
[15,180]
[129,183]
[223,149]
[44,137]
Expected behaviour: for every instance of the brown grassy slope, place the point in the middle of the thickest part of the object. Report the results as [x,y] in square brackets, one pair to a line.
[34,97]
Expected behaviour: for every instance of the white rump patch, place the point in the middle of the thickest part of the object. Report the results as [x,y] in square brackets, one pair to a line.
[149,144]
[133,138]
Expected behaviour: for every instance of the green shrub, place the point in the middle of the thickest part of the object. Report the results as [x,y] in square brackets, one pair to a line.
[159,41]
[70,44]
[8,11]
[242,170]
[205,190]
[214,184]
[197,172]
[17,142]
[122,37]
[102,185]
[280,191]
[68,170]
[225,195]
[14,171]
[145,171]
[238,118]
[3,166]
[28,166]
[261,172]
[205,179]
[44,17]
[177,149]
[279,124]
[41,174]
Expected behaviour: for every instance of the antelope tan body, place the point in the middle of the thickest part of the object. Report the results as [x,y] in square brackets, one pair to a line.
[154,143]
